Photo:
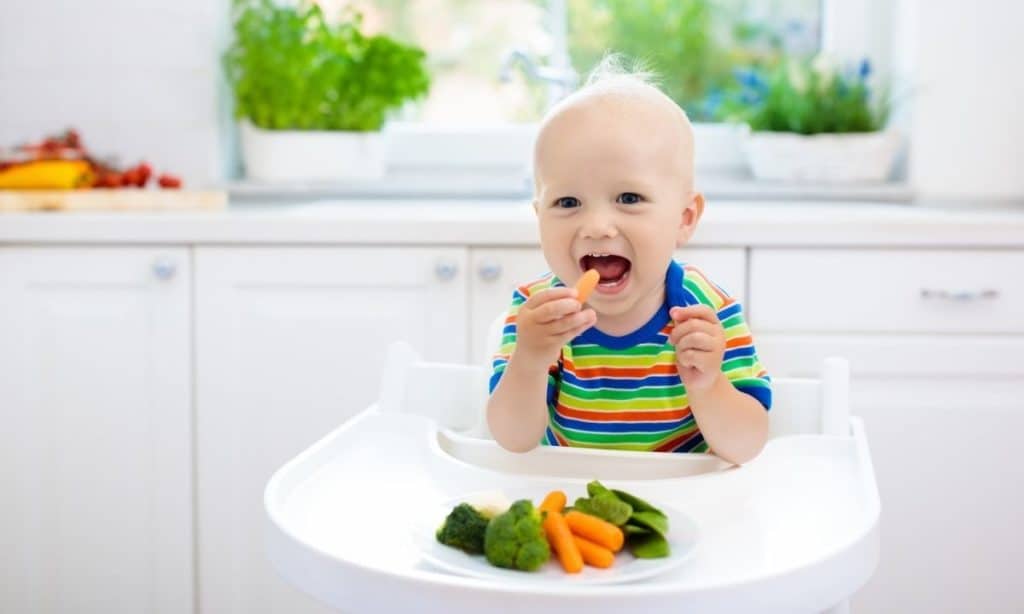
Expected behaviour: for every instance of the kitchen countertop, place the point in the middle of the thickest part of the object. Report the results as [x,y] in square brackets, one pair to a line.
[511,222]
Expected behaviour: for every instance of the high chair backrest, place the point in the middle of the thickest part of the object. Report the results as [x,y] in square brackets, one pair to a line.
[455,395]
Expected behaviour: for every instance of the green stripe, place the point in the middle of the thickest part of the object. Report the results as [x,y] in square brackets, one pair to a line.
[650,392]
[742,362]
[623,404]
[644,349]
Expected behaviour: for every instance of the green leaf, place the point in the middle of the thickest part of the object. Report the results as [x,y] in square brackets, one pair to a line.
[289,68]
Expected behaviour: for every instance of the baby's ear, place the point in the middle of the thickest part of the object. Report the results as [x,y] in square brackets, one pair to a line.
[693,208]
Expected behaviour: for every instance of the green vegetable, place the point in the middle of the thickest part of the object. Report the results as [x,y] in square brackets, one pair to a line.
[649,546]
[637,503]
[645,526]
[652,521]
[515,539]
[605,506]
[464,529]
[291,69]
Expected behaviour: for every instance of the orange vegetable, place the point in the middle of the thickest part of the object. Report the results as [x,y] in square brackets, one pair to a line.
[554,502]
[586,284]
[562,542]
[594,555]
[601,532]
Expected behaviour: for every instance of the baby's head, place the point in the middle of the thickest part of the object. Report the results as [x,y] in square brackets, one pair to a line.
[614,187]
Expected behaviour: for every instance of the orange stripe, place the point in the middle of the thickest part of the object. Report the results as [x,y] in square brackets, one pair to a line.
[739,341]
[632,372]
[622,416]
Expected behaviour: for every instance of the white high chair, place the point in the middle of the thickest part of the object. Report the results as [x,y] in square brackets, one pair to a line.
[794,530]
[455,395]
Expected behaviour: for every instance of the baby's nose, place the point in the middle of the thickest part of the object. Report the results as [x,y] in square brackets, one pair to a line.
[599,224]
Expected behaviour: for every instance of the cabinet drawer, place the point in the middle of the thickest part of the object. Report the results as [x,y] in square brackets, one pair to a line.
[913,291]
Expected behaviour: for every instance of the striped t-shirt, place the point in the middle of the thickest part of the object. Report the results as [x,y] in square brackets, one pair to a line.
[625,392]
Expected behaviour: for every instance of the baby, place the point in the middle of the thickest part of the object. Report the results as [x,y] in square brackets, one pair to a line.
[660,358]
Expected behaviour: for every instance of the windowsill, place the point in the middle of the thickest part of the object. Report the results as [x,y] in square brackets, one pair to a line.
[484,184]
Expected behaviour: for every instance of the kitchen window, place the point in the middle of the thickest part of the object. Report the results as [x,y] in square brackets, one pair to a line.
[498,64]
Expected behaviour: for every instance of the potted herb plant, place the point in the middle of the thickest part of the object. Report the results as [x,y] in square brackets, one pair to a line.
[810,121]
[313,96]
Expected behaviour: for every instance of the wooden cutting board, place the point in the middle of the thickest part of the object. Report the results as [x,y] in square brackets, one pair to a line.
[124,199]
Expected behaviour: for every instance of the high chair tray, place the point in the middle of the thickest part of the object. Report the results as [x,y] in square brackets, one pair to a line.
[796,530]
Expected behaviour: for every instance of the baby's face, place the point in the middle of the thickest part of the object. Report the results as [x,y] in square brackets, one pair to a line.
[614,192]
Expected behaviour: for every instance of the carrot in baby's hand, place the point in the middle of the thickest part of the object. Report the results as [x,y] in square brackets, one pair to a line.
[561,541]
[586,284]
[601,532]
[594,555]
[554,502]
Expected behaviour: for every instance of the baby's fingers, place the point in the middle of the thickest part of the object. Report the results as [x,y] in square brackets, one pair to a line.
[572,325]
[546,296]
[556,310]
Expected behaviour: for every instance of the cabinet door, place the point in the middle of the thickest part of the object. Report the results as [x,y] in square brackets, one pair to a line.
[95,450]
[495,272]
[942,414]
[291,342]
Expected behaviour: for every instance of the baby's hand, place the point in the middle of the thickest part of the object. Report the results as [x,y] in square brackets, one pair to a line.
[547,321]
[699,340]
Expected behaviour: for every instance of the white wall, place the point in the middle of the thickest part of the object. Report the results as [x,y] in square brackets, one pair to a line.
[966,125]
[140,79]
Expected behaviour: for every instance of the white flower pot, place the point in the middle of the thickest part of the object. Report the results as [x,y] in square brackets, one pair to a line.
[853,157]
[312,155]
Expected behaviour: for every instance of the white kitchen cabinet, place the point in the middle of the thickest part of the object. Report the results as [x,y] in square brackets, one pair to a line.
[936,375]
[495,272]
[290,342]
[95,449]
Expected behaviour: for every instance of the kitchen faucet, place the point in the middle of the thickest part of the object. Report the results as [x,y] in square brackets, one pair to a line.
[561,79]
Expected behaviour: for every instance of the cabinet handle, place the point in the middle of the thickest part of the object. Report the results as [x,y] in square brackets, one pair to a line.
[164,268]
[446,270]
[489,271]
[959,296]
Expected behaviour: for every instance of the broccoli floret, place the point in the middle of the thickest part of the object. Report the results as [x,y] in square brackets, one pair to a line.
[515,539]
[464,529]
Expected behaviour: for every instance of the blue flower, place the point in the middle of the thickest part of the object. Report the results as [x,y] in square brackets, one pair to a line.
[865,69]
[749,77]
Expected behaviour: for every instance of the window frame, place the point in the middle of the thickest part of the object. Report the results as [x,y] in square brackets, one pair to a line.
[415,146]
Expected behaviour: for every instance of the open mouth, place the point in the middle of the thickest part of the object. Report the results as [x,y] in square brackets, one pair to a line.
[614,270]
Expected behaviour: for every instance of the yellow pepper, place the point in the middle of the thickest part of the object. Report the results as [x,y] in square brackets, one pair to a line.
[47,175]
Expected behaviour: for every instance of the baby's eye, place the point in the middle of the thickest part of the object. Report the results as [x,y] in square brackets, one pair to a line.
[629,198]
[567,202]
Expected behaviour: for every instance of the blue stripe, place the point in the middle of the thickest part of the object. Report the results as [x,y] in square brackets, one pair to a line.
[762,394]
[627,384]
[738,353]
[690,444]
[495,378]
[729,311]
[509,328]
[618,427]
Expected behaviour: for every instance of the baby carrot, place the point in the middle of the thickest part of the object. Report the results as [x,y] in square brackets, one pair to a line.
[561,541]
[554,502]
[601,532]
[586,284]
[594,555]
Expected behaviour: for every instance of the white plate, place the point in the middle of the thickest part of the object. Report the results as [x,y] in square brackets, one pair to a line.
[682,538]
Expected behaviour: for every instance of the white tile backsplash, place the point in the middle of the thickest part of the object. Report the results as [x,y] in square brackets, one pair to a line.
[140,80]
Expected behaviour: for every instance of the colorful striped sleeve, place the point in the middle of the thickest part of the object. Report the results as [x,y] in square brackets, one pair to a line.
[508,341]
[740,362]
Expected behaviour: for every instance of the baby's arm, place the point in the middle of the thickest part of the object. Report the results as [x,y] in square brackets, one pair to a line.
[517,412]
[734,423]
